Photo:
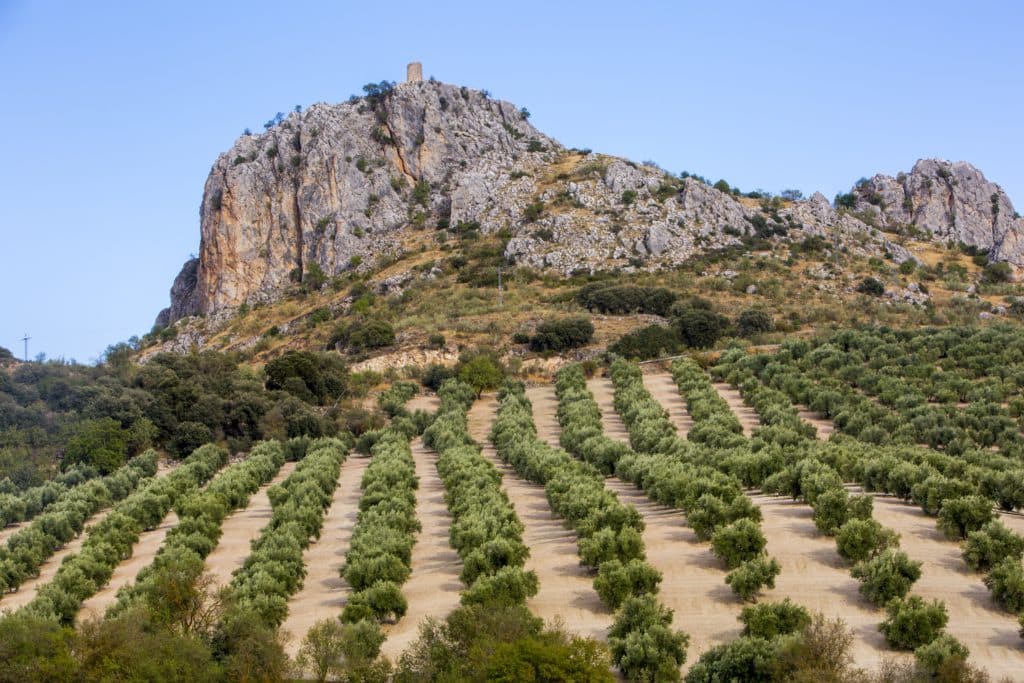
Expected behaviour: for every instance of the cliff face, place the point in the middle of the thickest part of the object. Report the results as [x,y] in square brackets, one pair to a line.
[950,201]
[340,181]
[339,186]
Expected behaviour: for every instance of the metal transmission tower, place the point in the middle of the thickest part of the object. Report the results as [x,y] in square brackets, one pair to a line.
[25,339]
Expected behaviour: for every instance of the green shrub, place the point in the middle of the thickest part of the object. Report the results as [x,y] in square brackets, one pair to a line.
[871,286]
[862,539]
[960,516]
[738,542]
[990,545]
[699,328]
[753,321]
[934,656]
[1006,581]
[886,576]
[772,619]
[616,581]
[648,342]
[642,641]
[911,622]
[562,335]
[750,577]
[748,659]
[623,299]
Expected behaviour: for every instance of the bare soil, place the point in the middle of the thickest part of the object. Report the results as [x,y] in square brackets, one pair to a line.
[323,591]
[746,415]
[566,588]
[433,588]
[143,552]
[604,393]
[545,413]
[665,390]
[240,530]
[823,426]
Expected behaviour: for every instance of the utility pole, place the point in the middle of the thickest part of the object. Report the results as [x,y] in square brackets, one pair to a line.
[25,339]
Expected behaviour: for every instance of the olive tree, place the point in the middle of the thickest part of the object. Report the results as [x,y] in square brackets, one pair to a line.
[1006,581]
[862,539]
[990,545]
[772,619]
[886,576]
[738,542]
[753,575]
[911,622]
[960,516]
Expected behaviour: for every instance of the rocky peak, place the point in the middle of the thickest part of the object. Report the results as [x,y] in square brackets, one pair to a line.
[330,187]
[949,201]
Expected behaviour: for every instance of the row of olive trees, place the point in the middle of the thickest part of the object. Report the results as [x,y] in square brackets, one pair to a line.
[886,574]
[110,542]
[379,558]
[643,642]
[22,505]
[485,531]
[65,518]
[274,569]
[180,562]
[691,475]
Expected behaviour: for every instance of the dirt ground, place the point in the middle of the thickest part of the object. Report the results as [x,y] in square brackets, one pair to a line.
[323,592]
[746,415]
[822,426]
[433,587]
[240,530]
[566,588]
[666,391]
[143,552]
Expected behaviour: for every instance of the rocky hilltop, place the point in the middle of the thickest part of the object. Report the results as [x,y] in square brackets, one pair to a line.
[950,202]
[341,186]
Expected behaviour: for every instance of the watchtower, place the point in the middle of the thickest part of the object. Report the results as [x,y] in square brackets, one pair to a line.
[414,72]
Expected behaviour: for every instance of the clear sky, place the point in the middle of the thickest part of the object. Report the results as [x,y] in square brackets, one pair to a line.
[115,111]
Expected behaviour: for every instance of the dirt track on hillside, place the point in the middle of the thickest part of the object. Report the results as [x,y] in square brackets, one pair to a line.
[744,413]
[433,587]
[566,588]
[323,591]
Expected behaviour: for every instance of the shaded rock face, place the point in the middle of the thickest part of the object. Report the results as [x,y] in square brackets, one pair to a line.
[340,181]
[951,202]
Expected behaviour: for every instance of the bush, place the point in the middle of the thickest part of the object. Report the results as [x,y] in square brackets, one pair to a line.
[622,299]
[990,545]
[648,342]
[772,619]
[481,373]
[699,328]
[934,656]
[616,581]
[642,641]
[886,576]
[562,335]
[1006,581]
[739,542]
[862,539]
[871,286]
[748,659]
[960,516]
[364,335]
[188,437]
[435,375]
[311,377]
[1001,271]
[911,622]
[751,576]
[753,321]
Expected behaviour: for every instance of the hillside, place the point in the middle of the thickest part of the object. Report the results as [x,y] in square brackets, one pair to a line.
[404,205]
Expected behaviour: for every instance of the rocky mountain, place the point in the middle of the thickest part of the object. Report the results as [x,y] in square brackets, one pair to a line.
[342,186]
[950,202]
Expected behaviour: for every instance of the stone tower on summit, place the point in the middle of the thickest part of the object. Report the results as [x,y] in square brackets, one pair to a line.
[414,72]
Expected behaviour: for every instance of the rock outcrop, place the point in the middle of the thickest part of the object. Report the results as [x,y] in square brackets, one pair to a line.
[950,202]
[343,186]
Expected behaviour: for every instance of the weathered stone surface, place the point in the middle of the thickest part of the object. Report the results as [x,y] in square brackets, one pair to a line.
[341,185]
[951,202]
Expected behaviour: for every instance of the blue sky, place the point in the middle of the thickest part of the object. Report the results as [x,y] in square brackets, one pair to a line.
[114,111]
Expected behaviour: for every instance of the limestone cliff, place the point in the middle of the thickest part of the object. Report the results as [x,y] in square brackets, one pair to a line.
[340,186]
[950,202]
